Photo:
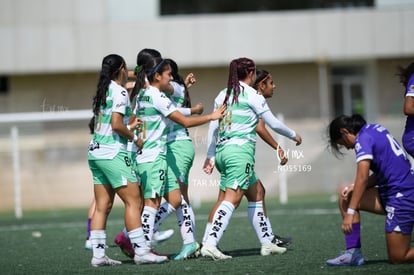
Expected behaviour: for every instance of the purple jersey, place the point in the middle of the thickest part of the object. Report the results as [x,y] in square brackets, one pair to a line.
[408,136]
[389,162]
[409,125]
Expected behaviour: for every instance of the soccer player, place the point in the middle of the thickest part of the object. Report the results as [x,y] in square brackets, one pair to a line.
[110,164]
[388,191]
[233,153]
[180,157]
[154,108]
[407,80]
[265,86]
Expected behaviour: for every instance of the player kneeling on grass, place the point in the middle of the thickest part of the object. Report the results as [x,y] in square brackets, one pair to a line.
[388,191]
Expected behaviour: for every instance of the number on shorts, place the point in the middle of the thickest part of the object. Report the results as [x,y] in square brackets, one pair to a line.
[127,161]
[249,168]
[162,174]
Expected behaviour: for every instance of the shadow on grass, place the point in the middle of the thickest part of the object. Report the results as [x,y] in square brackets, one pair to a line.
[373,262]
[243,252]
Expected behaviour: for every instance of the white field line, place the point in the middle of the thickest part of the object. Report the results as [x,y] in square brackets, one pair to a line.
[237,214]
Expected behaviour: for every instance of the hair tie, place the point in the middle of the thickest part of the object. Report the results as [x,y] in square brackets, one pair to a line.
[155,69]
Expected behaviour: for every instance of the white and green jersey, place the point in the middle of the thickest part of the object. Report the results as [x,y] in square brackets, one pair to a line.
[175,130]
[238,126]
[153,108]
[106,143]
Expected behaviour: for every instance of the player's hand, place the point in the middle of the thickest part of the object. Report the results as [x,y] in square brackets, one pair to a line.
[347,223]
[281,156]
[190,80]
[134,123]
[219,113]
[346,192]
[208,166]
[198,109]
[298,139]
[139,143]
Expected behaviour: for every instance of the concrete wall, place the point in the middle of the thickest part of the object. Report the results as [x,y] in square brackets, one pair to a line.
[66,36]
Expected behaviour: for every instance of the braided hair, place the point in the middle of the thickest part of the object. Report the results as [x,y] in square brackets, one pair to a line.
[239,70]
[111,67]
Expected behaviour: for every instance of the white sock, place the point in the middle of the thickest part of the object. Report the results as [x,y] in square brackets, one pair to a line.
[125,232]
[98,241]
[220,222]
[186,222]
[163,212]
[138,241]
[148,218]
[269,225]
[259,221]
[208,226]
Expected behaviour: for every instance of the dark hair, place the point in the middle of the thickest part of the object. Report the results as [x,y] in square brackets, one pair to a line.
[111,67]
[405,74]
[260,76]
[153,66]
[239,70]
[142,58]
[91,125]
[352,123]
[179,79]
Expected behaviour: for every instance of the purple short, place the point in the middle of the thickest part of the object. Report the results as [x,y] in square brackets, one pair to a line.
[400,218]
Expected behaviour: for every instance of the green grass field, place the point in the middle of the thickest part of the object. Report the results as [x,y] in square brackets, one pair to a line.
[314,224]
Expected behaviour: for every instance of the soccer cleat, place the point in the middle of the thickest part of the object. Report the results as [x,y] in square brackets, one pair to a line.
[161,236]
[281,241]
[214,253]
[350,257]
[271,248]
[150,258]
[124,244]
[88,244]
[104,261]
[189,250]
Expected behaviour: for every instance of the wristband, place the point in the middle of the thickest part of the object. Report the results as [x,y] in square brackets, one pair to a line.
[350,211]
[135,138]
[128,127]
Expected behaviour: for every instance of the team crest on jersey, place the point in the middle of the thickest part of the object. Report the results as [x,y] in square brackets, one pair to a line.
[411,88]
[124,93]
[357,147]
[93,145]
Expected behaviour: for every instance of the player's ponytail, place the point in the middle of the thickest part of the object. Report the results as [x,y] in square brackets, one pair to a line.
[238,70]
[111,67]
[143,57]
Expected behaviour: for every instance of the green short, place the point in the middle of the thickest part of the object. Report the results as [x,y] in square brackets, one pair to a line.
[180,157]
[153,177]
[116,172]
[236,166]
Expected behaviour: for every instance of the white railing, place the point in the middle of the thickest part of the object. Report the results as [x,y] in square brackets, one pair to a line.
[14,119]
